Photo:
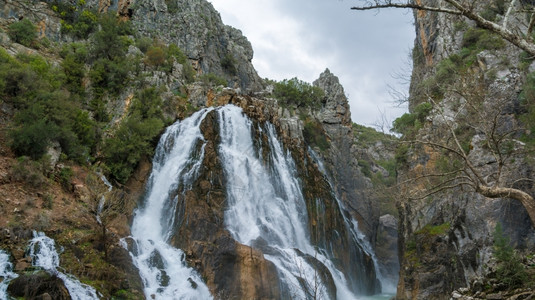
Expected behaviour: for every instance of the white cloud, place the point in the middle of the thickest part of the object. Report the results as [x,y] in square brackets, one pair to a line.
[301,38]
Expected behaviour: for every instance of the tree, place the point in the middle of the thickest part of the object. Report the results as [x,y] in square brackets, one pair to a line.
[519,32]
[474,117]
[105,203]
[23,32]
[474,144]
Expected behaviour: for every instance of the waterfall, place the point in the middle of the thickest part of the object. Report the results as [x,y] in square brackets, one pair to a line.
[6,274]
[356,235]
[266,206]
[42,251]
[162,267]
[265,209]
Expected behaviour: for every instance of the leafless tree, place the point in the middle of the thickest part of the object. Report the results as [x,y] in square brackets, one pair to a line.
[472,144]
[106,204]
[519,33]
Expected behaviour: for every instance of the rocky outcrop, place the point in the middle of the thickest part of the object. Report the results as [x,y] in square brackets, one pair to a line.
[196,27]
[348,181]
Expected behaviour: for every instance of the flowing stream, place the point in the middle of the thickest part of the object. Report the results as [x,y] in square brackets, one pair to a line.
[6,274]
[162,267]
[42,250]
[265,209]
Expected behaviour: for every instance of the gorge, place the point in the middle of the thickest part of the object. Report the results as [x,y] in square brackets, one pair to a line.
[223,185]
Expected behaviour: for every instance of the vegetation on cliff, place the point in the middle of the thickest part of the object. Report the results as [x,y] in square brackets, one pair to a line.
[466,141]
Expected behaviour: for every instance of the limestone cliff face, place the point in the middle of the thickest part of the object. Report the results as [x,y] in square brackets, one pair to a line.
[446,238]
[348,181]
[196,27]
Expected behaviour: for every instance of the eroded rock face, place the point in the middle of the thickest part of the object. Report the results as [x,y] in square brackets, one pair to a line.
[196,27]
[446,239]
[348,182]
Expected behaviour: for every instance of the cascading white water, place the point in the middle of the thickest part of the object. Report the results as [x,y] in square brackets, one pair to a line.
[265,202]
[162,267]
[388,287]
[6,274]
[42,251]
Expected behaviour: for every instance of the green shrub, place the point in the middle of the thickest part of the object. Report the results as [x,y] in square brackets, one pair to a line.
[228,63]
[314,135]
[33,133]
[212,80]
[22,32]
[409,123]
[510,270]
[64,177]
[109,43]
[132,141]
[155,56]
[134,138]
[144,43]
[481,39]
[28,171]
[73,65]
[295,92]
[109,75]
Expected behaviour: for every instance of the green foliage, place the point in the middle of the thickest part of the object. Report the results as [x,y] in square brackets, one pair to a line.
[46,112]
[401,153]
[32,136]
[314,135]
[435,230]
[212,80]
[135,136]
[155,56]
[172,6]
[297,93]
[144,43]
[493,9]
[64,177]
[409,123]
[481,39]
[510,270]
[76,20]
[109,75]
[228,62]
[74,58]
[528,103]
[30,172]
[110,42]
[22,32]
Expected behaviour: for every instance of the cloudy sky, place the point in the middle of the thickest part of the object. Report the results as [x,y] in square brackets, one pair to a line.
[300,38]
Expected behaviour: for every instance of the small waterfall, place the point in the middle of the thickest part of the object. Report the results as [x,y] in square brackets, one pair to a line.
[42,251]
[6,274]
[266,207]
[162,267]
[357,236]
[103,198]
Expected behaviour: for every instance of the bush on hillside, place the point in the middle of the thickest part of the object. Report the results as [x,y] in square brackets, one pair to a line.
[22,32]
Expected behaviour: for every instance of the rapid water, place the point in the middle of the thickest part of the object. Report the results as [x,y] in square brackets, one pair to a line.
[265,209]
[266,205]
[162,267]
[388,287]
[6,274]
[42,250]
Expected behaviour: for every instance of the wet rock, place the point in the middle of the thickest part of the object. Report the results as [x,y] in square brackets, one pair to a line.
[38,286]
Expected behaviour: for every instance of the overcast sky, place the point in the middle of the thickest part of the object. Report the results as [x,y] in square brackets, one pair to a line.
[300,38]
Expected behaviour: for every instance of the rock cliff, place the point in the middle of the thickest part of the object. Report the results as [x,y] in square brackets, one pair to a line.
[446,235]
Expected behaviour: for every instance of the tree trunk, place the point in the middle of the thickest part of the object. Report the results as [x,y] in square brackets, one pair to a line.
[501,192]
